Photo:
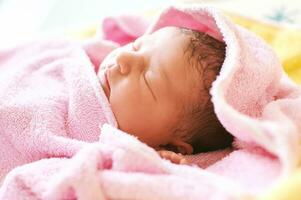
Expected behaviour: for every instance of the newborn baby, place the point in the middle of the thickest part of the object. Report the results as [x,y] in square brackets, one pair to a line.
[158,88]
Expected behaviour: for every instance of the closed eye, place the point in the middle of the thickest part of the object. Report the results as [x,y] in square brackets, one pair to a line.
[150,89]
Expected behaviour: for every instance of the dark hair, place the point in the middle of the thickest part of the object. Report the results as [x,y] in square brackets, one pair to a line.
[199,124]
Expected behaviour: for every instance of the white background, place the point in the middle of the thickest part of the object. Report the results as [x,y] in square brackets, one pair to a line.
[23,19]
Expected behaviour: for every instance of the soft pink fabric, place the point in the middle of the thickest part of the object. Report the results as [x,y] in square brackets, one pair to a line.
[206,159]
[123,29]
[118,167]
[253,99]
[50,101]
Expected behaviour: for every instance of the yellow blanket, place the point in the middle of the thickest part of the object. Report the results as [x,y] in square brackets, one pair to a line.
[286,42]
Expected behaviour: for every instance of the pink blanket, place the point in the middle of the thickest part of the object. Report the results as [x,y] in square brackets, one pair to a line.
[253,99]
[51,101]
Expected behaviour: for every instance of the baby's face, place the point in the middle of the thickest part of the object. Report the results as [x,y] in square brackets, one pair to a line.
[147,84]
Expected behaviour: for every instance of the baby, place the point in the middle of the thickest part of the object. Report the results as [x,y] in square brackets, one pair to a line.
[158,88]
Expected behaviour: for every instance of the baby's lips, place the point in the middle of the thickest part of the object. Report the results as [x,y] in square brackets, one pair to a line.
[107,79]
[105,83]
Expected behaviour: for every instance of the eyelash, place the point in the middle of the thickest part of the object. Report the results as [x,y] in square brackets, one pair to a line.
[147,84]
[145,80]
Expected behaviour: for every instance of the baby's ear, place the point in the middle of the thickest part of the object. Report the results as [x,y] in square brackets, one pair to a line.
[181,146]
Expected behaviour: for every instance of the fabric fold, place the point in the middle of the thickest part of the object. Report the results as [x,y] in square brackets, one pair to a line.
[252,96]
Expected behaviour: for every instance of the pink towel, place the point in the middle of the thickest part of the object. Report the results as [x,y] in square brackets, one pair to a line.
[51,101]
[253,98]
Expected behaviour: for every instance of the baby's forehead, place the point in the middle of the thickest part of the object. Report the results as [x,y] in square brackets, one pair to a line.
[170,33]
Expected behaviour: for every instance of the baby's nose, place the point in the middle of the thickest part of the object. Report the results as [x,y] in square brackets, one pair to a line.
[129,62]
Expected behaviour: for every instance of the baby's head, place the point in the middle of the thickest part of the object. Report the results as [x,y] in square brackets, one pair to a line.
[158,88]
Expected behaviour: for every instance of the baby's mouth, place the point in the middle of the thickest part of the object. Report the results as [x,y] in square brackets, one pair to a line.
[107,80]
[106,84]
